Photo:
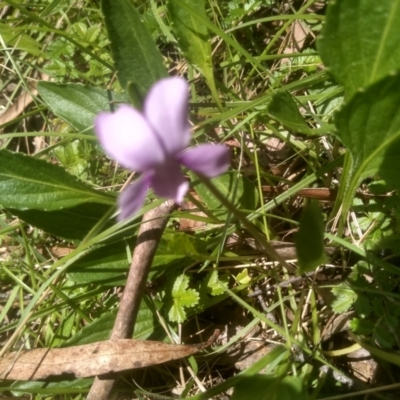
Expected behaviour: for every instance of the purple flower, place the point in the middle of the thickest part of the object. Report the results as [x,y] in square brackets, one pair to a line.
[154,143]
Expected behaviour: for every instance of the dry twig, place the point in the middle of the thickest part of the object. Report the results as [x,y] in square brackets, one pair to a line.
[149,236]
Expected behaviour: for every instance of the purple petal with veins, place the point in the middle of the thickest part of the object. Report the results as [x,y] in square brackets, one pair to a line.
[209,160]
[166,109]
[129,139]
[154,143]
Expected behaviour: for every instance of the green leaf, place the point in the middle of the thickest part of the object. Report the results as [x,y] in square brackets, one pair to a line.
[62,388]
[182,297]
[177,313]
[30,183]
[243,277]
[180,243]
[180,285]
[214,285]
[192,36]
[344,298]
[238,189]
[310,239]
[136,57]
[75,157]
[369,126]
[14,37]
[69,223]
[361,326]
[284,109]
[106,265]
[146,325]
[77,104]
[255,388]
[189,298]
[360,41]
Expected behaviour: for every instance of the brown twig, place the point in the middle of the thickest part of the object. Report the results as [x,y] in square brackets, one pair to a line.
[149,236]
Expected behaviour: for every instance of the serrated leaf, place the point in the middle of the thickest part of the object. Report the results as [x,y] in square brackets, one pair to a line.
[189,298]
[180,285]
[29,183]
[360,42]
[310,239]
[344,298]
[77,104]
[177,313]
[369,126]
[285,110]
[136,57]
[182,297]
[215,286]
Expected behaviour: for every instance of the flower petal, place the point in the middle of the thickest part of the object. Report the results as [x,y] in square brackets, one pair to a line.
[166,109]
[209,160]
[169,182]
[132,198]
[128,138]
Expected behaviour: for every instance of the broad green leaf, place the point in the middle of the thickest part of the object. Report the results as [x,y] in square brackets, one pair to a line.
[192,36]
[136,57]
[77,104]
[238,189]
[183,244]
[106,265]
[360,42]
[18,40]
[101,328]
[369,126]
[69,223]
[310,239]
[285,110]
[255,387]
[28,183]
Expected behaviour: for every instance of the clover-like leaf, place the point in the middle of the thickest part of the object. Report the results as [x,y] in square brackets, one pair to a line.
[183,297]
[215,285]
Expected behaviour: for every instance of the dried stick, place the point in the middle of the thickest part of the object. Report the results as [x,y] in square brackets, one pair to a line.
[150,232]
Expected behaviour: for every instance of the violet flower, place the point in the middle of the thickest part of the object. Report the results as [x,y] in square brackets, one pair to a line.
[154,142]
